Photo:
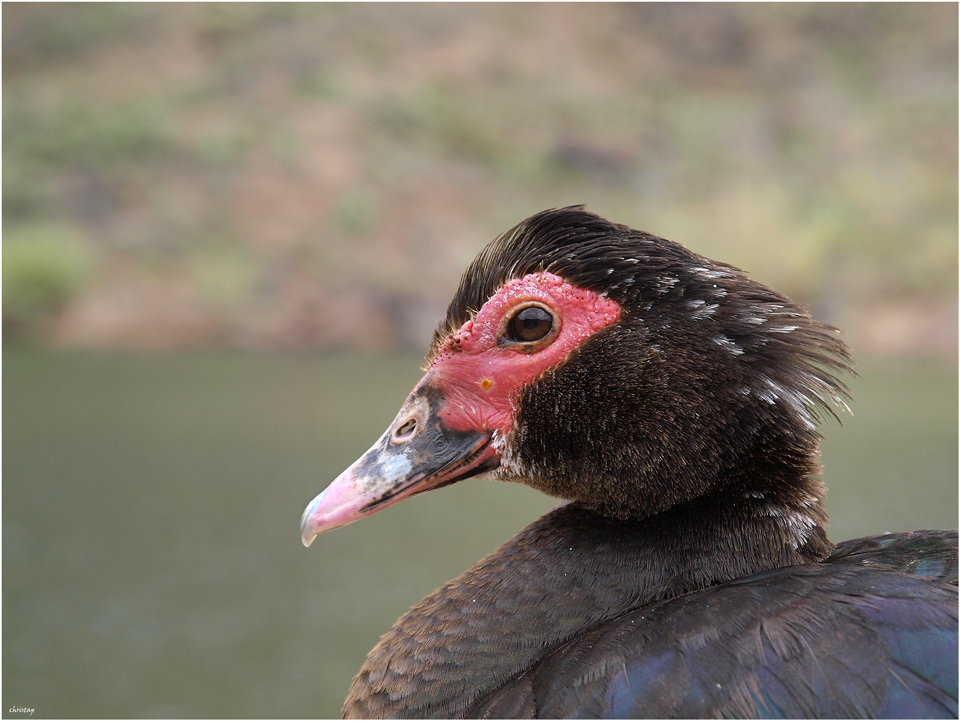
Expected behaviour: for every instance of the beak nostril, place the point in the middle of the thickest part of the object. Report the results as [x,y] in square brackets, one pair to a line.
[406,431]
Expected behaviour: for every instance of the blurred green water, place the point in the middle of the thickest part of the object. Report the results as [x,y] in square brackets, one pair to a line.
[151,556]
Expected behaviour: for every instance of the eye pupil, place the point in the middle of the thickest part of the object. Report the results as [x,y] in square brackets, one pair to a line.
[530,324]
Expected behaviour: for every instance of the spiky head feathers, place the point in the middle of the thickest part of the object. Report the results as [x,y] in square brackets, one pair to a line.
[706,378]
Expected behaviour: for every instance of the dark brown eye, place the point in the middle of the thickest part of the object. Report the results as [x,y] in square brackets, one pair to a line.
[530,324]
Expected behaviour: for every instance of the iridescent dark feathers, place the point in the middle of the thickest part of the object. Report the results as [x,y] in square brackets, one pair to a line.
[691,574]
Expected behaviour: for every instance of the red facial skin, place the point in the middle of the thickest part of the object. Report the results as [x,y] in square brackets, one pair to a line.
[481,377]
[478,376]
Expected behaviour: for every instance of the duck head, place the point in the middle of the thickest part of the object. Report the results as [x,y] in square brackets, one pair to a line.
[610,368]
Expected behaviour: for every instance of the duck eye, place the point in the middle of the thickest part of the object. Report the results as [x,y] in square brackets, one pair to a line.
[531,324]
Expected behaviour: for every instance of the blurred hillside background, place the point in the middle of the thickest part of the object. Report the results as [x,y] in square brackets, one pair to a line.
[186,183]
[319,175]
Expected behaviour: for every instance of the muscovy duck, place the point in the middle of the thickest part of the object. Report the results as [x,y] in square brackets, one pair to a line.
[671,402]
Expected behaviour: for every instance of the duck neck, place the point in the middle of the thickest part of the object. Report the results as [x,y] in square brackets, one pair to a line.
[568,571]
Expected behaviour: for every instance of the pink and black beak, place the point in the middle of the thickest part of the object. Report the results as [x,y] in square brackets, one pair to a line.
[417,452]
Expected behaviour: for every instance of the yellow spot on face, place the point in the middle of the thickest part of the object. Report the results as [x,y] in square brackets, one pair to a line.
[486,383]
